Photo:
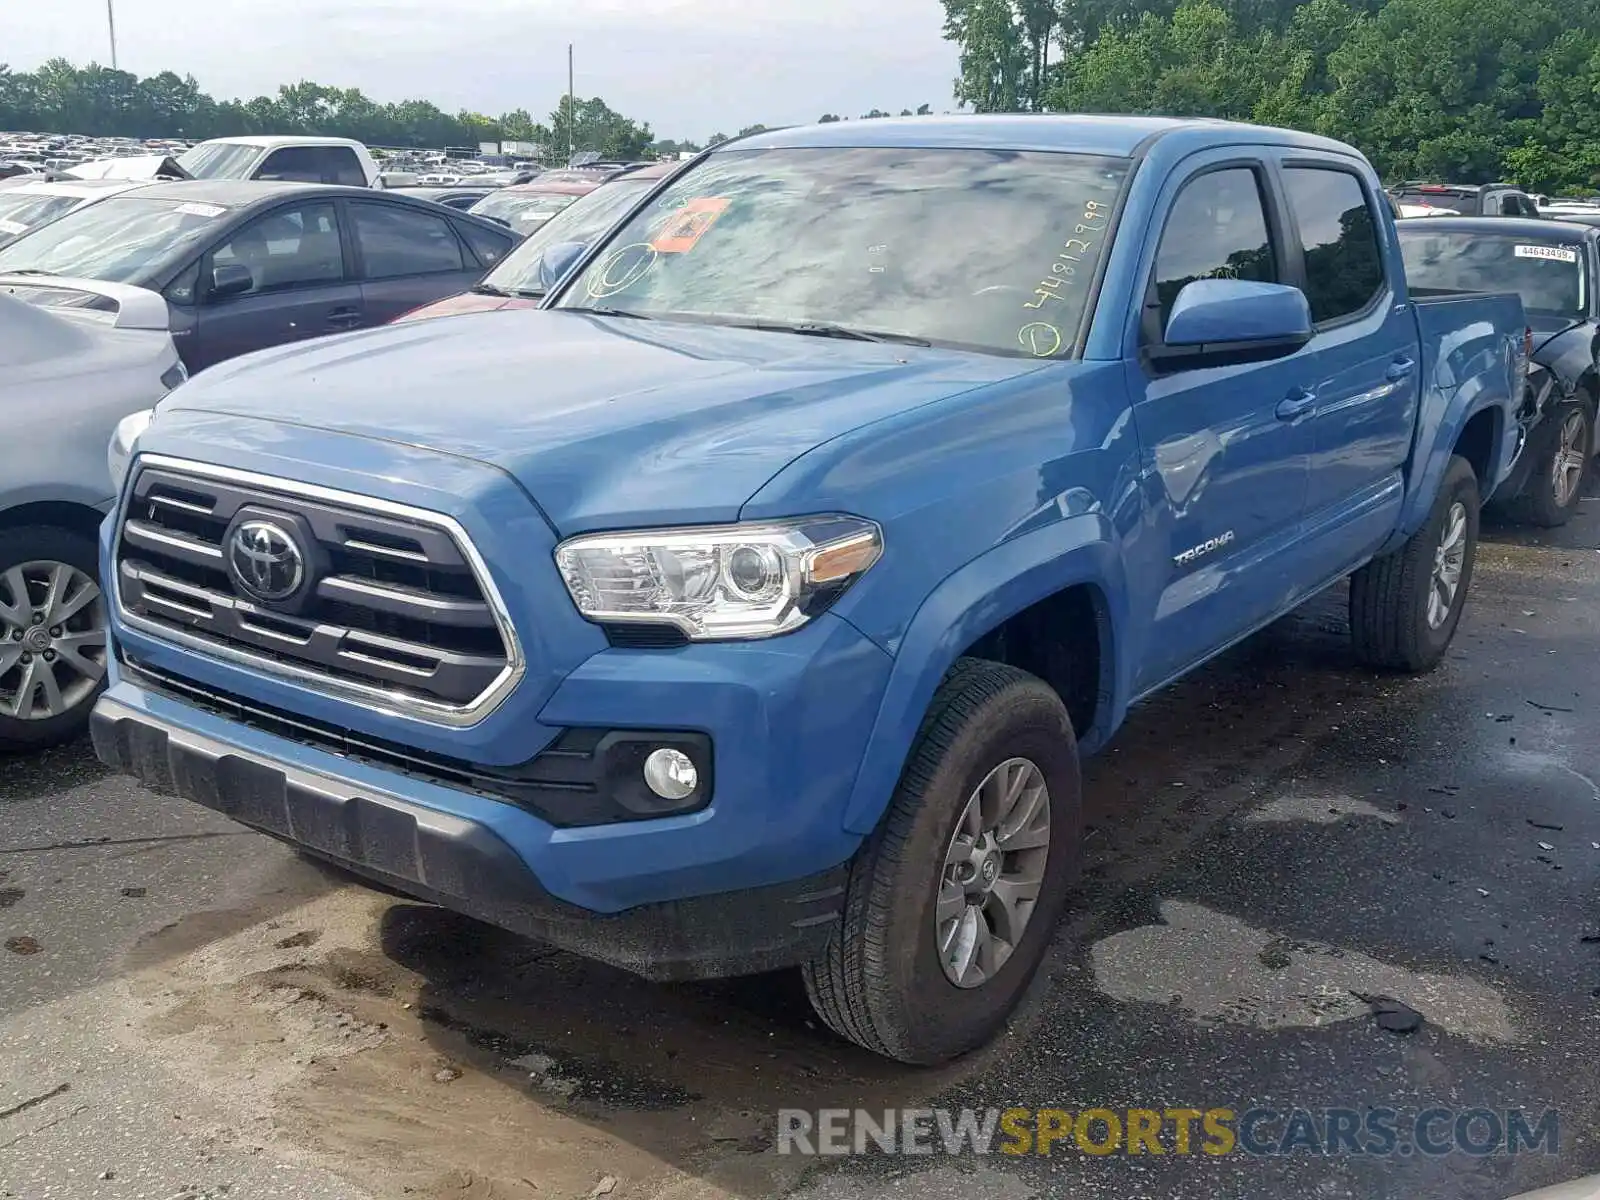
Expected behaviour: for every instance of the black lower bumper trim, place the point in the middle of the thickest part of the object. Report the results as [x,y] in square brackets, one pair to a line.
[460,864]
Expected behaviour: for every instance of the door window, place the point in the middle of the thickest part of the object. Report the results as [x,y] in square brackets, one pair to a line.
[1217,230]
[489,248]
[287,248]
[397,240]
[314,164]
[1344,265]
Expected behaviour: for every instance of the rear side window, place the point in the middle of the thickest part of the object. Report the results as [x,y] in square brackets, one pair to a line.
[489,248]
[398,241]
[1217,230]
[1344,267]
[314,164]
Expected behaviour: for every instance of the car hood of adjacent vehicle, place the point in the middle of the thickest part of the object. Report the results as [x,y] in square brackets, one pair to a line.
[607,422]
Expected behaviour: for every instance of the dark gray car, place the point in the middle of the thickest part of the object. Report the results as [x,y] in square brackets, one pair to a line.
[247,265]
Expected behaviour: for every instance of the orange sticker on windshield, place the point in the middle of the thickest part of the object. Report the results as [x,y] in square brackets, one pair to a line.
[689,224]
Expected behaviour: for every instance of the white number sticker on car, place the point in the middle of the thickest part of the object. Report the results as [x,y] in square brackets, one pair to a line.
[12,227]
[1564,254]
[201,210]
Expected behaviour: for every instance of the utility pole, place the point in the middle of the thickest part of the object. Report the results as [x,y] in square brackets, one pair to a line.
[111,24]
[572,106]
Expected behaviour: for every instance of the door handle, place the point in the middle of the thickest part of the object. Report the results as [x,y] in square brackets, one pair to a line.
[344,316]
[1296,404]
[1399,369]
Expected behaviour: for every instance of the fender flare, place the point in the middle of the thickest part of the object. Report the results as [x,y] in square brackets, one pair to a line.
[1473,398]
[975,599]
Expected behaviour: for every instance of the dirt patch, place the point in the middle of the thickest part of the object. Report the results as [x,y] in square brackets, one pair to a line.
[423,1055]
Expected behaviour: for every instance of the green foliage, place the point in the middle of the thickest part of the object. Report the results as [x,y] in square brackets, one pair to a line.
[93,99]
[1469,90]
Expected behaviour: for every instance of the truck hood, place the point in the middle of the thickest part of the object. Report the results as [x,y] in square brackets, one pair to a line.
[606,422]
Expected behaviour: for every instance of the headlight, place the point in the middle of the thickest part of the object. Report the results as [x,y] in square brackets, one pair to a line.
[123,439]
[719,582]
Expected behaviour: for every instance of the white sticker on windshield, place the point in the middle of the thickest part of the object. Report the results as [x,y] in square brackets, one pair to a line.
[12,227]
[1564,254]
[201,210]
[537,216]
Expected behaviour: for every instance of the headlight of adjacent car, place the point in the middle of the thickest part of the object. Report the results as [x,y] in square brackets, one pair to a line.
[720,582]
[120,451]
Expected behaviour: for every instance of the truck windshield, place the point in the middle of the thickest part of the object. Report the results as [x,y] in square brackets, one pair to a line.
[582,221]
[220,160]
[1551,277]
[986,250]
[1465,203]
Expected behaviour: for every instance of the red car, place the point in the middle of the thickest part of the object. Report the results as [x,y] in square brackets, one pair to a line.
[585,214]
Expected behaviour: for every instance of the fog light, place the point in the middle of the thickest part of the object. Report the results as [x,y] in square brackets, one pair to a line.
[670,774]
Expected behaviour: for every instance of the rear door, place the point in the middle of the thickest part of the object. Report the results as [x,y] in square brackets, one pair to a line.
[1364,353]
[302,286]
[407,257]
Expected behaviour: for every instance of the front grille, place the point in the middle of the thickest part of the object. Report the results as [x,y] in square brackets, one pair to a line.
[388,604]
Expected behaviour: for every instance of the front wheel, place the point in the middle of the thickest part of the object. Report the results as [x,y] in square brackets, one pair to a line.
[1405,606]
[952,904]
[52,635]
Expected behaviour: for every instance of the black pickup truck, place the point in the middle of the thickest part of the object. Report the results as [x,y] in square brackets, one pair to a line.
[1466,199]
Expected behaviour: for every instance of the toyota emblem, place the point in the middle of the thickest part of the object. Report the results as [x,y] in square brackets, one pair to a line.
[265,561]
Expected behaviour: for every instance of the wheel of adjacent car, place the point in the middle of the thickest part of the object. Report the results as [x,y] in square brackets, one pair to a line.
[1551,495]
[52,635]
[951,905]
[1405,606]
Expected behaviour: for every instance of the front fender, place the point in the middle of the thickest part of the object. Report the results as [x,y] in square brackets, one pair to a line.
[968,604]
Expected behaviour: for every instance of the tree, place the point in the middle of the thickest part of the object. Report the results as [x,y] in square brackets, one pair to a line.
[716,139]
[828,119]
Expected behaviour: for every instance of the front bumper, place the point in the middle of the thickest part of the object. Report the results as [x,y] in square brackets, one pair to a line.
[460,863]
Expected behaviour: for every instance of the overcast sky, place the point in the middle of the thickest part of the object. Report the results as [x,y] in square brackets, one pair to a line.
[689,67]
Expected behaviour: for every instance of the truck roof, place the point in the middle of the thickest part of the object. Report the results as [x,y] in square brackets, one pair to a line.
[1083,133]
[272,141]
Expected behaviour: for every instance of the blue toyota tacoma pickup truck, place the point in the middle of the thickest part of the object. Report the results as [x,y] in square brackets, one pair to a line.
[750,604]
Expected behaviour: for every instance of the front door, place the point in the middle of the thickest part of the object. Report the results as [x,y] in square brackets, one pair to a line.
[1227,448]
[299,285]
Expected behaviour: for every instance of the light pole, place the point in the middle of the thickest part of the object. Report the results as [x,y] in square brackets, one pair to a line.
[111,24]
[572,105]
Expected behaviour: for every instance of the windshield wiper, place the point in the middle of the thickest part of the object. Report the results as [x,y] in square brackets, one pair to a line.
[824,329]
[26,271]
[490,289]
[610,312]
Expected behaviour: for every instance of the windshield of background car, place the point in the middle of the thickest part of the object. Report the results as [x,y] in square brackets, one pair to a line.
[583,221]
[220,160]
[989,250]
[114,240]
[523,211]
[18,214]
[1551,277]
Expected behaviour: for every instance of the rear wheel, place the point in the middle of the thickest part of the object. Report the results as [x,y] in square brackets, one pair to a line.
[52,635]
[1405,606]
[952,904]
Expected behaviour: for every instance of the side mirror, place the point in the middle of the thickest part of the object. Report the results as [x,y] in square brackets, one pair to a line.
[1216,322]
[556,260]
[230,279]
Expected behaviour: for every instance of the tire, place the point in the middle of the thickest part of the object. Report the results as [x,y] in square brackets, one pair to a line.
[882,982]
[64,659]
[1555,485]
[1390,623]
